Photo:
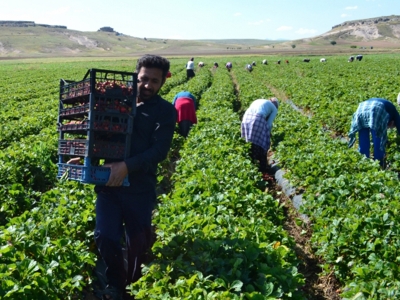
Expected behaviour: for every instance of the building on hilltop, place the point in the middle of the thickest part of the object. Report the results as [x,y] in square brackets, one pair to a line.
[28,24]
[106,29]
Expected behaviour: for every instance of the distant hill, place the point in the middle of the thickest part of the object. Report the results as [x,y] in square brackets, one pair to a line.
[381,31]
[28,39]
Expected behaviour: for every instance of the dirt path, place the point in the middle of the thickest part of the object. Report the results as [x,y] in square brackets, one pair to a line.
[237,105]
[317,286]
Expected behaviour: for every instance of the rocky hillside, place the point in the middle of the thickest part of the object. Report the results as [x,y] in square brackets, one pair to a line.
[382,28]
[27,39]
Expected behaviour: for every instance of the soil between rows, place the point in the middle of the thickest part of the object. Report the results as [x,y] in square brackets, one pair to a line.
[317,286]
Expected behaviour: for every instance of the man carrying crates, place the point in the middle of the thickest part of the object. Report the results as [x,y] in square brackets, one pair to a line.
[132,206]
[124,211]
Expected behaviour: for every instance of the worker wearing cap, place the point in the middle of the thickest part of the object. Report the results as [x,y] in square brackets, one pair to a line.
[228,66]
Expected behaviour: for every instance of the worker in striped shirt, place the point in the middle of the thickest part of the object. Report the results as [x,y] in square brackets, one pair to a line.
[256,128]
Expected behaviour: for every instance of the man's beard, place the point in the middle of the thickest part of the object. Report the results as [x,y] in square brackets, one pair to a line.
[146,96]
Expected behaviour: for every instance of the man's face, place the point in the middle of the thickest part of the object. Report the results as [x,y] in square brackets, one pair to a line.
[150,81]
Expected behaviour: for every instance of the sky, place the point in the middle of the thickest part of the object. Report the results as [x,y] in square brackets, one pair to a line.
[200,19]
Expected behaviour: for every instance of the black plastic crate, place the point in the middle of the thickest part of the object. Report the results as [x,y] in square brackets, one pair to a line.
[97,148]
[74,109]
[86,174]
[74,126]
[110,104]
[115,123]
[76,147]
[100,82]
[113,104]
[101,122]
[95,121]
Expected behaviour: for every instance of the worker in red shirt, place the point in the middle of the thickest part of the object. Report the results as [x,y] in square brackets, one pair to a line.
[185,105]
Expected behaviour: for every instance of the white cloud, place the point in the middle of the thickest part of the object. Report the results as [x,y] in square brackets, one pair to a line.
[345,15]
[304,31]
[237,14]
[284,28]
[351,7]
[256,23]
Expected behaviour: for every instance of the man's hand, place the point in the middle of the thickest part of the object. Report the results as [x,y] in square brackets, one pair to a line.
[119,170]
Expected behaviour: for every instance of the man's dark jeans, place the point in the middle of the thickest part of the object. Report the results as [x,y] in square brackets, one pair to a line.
[117,214]
[184,127]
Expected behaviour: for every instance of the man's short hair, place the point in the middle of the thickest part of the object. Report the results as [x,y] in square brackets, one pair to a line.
[153,61]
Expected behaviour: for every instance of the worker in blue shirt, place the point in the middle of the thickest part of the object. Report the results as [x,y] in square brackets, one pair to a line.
[374,115]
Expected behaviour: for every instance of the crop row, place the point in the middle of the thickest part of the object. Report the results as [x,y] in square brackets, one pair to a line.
[215,209]
[46,230]
[218,235]
[177,78]
[45,252]
[331,91]
[46,241]
[352,204]
[29,140]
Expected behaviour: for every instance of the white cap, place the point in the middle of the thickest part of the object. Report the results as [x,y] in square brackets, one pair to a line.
[275,101]
[398,99]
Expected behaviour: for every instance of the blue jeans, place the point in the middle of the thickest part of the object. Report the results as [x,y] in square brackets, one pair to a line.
[120,214]
[364,144]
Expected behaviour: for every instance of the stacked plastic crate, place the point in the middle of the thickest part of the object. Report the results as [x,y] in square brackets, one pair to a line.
[95,123]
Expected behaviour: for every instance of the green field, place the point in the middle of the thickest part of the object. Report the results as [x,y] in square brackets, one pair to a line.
[220,233]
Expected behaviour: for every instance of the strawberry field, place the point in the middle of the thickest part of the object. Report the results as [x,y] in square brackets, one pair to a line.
[219,230]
